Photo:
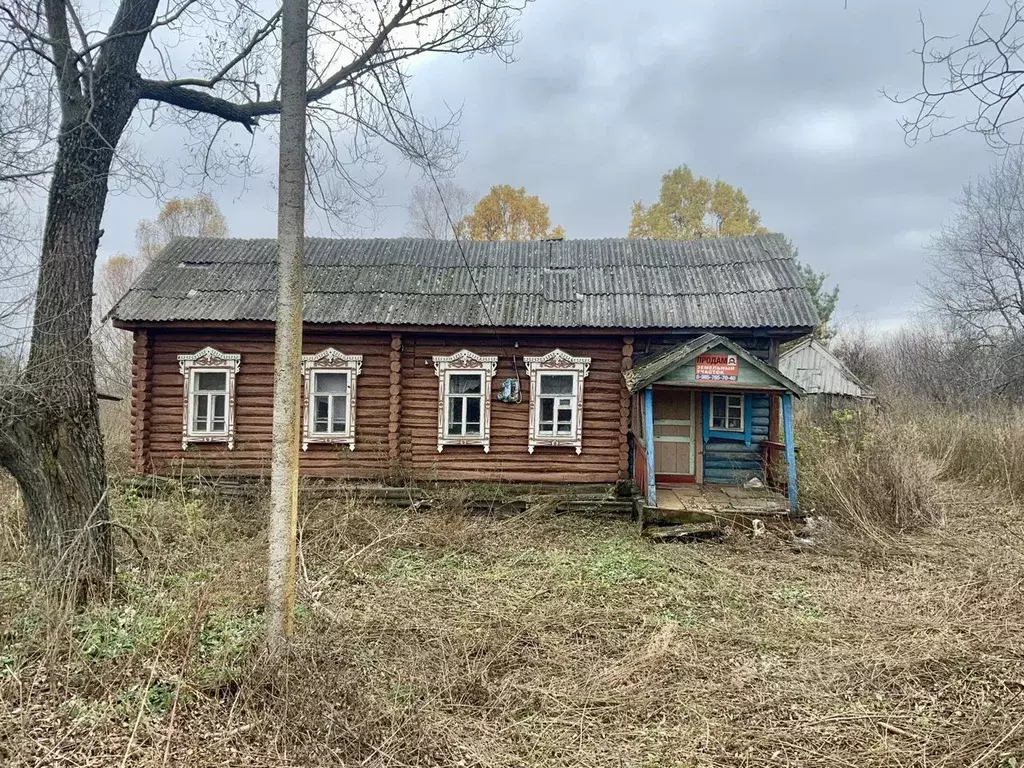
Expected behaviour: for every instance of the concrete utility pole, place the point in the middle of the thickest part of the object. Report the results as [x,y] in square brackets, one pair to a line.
[291,222]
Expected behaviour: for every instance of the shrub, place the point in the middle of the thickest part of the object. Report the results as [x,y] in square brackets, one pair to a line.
[867,471]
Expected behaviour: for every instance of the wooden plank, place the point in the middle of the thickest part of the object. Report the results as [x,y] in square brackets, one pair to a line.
[787,427]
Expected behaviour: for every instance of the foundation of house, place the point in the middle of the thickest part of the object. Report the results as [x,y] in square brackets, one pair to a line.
[724,504]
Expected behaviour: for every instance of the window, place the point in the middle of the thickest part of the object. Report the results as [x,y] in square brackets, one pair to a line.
[464,403]
[557,404]
[330,403]
[329,410]
[727,412]
[209,402]
[209,407]
[465,395]
[556,399]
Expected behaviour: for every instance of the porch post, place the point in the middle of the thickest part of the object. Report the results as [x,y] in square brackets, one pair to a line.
[787,428]
[652,491]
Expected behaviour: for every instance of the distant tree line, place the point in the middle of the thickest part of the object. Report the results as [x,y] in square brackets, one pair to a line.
[967,346]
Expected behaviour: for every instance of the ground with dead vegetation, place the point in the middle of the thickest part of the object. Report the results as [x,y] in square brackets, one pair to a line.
[449,639]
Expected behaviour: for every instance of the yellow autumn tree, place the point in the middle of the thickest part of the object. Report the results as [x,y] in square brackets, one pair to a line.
[507,213]
[691,206]
[197,216]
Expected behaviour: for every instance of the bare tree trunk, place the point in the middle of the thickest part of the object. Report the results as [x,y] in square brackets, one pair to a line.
[291,220]
[51,439]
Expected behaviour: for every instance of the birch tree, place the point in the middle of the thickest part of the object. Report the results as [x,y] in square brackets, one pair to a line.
[197,216]
[433,209]
[508,213]
[79,81]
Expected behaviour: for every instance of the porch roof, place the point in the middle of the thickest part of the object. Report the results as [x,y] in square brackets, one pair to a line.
[652,370]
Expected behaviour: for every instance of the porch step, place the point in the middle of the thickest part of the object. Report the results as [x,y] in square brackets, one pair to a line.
[687,532]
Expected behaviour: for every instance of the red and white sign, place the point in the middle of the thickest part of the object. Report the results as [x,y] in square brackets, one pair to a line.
[717,367]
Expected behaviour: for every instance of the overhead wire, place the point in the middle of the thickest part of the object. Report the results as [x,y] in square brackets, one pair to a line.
[429,167]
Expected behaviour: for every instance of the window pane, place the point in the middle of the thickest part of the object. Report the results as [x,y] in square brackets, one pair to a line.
[320,413]
[465,384]
[473,415]
[556,383]
[718,407]
[218,426]
[340,413]
[473,409]
[547,409]
[200,413]
[455,415]
[219,403]
[330,383]
[215,381]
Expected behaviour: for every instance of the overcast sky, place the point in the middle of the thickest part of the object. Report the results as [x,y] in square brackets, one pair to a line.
[780,97]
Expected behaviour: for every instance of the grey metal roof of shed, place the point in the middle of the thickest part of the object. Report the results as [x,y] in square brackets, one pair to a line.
[729,282]
[818,371]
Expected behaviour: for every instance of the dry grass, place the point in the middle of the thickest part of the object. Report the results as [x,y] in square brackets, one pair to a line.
[984,446]
[866,470]
[445,639]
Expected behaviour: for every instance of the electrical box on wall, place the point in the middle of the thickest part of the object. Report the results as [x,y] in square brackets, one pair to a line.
[509,391]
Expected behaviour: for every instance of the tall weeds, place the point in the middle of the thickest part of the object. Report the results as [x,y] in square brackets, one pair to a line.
[984,446]
[866,470]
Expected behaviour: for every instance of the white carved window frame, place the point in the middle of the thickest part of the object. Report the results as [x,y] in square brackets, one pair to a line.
[464,361]
[330,360]
[208,360]
[557,361]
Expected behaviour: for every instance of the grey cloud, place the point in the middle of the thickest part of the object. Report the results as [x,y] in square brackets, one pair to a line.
[781,98]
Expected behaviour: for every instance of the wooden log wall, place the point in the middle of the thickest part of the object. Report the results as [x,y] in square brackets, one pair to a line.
[509,458]
[396,409]
[142,359]
[627,364]
[254,397]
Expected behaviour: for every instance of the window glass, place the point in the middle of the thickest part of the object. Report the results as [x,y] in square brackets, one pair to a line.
[556,383]
[556,402]
[465,404]
[455,410]
[727,412]
[321,413]
[200,410]
[330,402]
[338,418]
[473,415]
[564,421]
[330,383]
[464,384]
[211,381]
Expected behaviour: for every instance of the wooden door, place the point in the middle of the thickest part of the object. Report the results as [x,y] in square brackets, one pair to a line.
[674,431]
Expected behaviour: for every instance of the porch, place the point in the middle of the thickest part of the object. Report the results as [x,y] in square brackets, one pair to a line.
[707,418]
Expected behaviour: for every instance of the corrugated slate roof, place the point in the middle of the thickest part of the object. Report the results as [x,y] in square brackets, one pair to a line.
[729,282]
[820,372]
